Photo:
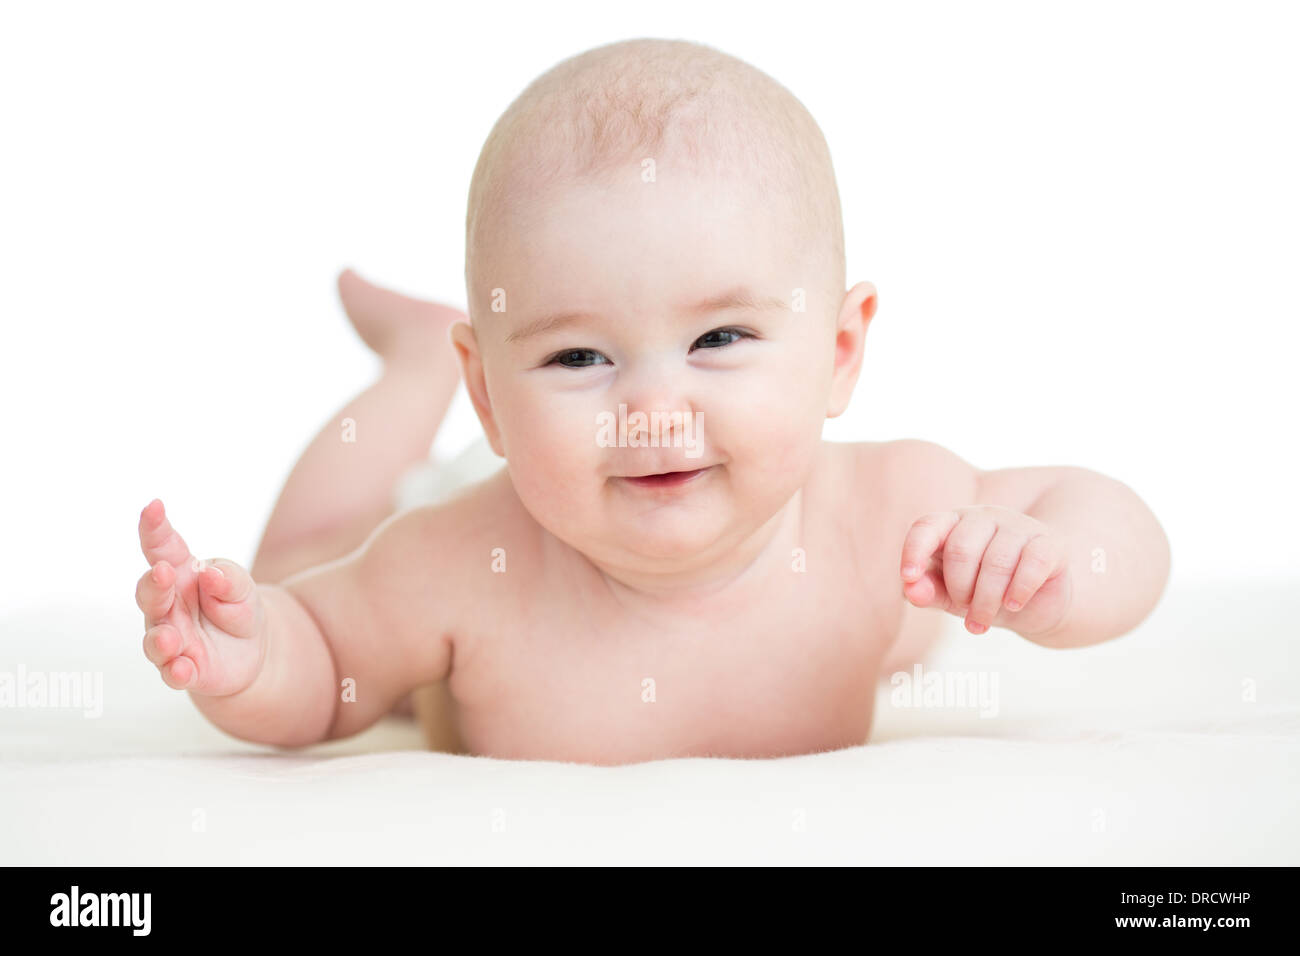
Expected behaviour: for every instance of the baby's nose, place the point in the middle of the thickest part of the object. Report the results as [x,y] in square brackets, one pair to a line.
[657,405]
[658,398]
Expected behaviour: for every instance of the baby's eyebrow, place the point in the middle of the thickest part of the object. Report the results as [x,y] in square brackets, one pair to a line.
[740,297]
[547,323]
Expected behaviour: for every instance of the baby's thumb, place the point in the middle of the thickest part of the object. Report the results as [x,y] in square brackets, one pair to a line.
[225,592]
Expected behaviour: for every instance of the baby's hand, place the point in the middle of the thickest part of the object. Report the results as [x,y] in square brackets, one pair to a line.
[201,618]
[994,566]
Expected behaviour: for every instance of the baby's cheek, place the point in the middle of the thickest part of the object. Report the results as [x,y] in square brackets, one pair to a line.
[547,431]
[772,450]
[771,420]
[786,442]
[552,462]
[556,497]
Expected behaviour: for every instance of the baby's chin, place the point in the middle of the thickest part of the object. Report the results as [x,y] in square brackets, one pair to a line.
[668,540]
[653,529]
[670,516]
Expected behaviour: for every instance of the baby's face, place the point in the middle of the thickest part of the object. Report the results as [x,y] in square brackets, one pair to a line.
[675,314]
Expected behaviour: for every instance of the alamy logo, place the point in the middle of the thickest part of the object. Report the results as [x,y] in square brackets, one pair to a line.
[936,688]
[656,430]
[55,689]
[102,909]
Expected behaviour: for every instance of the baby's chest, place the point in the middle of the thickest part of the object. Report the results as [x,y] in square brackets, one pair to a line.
[790,677]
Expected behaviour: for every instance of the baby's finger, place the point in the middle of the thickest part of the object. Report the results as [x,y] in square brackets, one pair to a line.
[962,553]
[924,538]
[161,643]
[224,580]
[159,540]
[999,563]
[928,591]
[224,592]
[155,592]
[179,673]
[1040,556]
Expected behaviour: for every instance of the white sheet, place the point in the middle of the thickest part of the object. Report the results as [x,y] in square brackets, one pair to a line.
[1144,750]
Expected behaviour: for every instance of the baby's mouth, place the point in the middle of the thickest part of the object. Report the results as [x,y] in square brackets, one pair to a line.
[667,479]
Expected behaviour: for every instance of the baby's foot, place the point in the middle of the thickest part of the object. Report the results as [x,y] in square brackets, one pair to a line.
[397,327]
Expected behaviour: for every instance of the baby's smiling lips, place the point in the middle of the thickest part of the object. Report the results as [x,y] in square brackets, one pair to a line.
[664,480]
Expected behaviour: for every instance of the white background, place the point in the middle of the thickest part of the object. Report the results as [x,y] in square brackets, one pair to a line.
[1083,221]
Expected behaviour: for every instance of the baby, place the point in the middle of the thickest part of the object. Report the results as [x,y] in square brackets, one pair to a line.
[672,562]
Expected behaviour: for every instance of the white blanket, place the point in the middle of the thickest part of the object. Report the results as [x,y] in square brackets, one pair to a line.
[1177,744]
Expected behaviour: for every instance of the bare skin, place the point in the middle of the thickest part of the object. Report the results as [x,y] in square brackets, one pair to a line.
[730,676]
[616,603]
[777,662]
[339,490]
[307,528]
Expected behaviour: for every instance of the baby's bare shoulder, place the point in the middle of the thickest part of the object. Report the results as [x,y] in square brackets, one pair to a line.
[456,539]
[929,471]
[904,476]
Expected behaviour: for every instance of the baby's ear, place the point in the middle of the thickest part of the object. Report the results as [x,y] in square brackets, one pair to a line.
[850,335]
[465,344]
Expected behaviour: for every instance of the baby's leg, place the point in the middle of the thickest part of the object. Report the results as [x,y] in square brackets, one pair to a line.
[342,486]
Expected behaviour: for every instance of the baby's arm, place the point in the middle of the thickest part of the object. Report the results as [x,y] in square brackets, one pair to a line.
[271,663]
[1114,550]
[1062,555]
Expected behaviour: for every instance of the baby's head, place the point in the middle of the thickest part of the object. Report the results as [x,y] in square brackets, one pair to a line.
[655,275]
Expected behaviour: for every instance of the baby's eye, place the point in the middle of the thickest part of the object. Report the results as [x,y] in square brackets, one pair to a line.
[720,337]
[577,358]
